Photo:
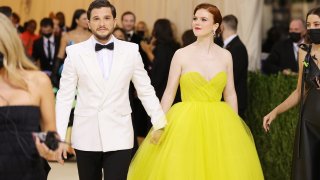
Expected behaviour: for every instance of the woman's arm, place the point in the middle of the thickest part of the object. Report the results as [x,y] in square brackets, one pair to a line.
[291,101]
[173,82]
[48,120]
[63,45]
[229,93]
[147,48]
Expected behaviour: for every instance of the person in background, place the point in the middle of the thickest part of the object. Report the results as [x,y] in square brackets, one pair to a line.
[160,52]
[16,22]
[234,45]
[45,49]
[140,118]
[62,22]
[188,38]
[119,33]
[283,57]
[142,31]
[29,36]
[79,32]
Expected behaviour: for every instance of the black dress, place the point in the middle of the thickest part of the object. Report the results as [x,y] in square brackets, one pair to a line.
[19,159]
[306,157]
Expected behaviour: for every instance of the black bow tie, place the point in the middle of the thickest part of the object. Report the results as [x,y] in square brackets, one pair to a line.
[109,46]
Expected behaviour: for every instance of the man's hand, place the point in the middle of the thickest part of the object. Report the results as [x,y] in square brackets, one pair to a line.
[155,136]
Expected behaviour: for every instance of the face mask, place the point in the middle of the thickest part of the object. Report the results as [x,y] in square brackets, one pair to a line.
[295,37]
[47,35]
[314,35]
[1,60]
[140,33]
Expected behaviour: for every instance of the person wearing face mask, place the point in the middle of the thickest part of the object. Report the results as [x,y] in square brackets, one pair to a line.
[45,49]
[306,159]
[284,54]
[142,31]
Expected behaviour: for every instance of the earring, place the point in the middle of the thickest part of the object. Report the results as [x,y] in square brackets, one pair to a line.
[214,33]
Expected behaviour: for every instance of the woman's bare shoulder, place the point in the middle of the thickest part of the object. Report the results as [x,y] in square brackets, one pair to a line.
[223,53]
[37,79]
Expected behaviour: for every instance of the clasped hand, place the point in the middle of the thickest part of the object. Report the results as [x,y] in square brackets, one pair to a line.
[155,136]
[50,155]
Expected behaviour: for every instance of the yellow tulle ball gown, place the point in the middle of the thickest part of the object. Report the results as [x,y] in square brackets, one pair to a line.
[204,139]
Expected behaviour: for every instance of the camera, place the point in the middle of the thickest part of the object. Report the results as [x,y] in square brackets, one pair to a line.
[50,139]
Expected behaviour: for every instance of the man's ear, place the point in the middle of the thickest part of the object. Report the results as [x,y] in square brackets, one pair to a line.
[115,22]
[88,22]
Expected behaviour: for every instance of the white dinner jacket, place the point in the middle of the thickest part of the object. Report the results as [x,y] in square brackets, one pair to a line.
[102,116]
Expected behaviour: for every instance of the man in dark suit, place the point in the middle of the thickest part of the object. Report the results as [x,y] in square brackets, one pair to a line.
[140,118]
[232,42]
[283,56]
[46,48]
[128,20]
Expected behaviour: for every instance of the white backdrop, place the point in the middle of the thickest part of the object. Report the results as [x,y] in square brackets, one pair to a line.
[180,12]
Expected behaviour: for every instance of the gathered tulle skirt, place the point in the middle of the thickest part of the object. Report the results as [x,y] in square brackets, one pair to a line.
[202,141]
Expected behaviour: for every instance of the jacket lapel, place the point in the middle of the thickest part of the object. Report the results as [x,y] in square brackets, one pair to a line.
[89,58]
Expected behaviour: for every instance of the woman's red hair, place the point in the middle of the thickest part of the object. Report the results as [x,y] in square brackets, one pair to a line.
[213,10]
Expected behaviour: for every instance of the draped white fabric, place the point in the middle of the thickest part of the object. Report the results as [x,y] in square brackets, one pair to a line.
[180,12]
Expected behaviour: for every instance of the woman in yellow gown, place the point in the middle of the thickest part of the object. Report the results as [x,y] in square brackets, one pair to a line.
[204,139]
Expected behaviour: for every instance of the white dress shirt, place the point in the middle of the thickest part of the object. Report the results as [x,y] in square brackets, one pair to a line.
[52,45]
[104,57]
[130,34]
[295,50]
[228,40]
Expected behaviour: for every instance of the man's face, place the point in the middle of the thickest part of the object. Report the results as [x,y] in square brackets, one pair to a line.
[102,23]
[128,22]
[296,26]
[46,30]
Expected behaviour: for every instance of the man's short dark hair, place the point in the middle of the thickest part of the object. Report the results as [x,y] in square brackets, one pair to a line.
[231,21]
[6,10]
[16,16]
[97,4]
[128,13]
[46,22]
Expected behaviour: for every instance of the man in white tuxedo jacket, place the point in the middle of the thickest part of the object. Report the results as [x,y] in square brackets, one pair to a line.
[100,70]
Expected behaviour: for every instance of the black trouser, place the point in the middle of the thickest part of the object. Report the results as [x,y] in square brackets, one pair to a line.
[115,164]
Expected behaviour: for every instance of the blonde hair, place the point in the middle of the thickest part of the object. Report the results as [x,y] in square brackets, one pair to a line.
[13,52]
[144,24]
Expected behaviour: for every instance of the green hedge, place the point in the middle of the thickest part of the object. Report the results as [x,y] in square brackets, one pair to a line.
[274,148]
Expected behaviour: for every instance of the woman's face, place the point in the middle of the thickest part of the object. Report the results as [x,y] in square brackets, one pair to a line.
[203,23]
[140,27]
[119,35]
[83,21]
[313,22]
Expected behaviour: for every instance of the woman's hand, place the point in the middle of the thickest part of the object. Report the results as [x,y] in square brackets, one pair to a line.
[146,47]
[46,153]
[56,155]
[267,120]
